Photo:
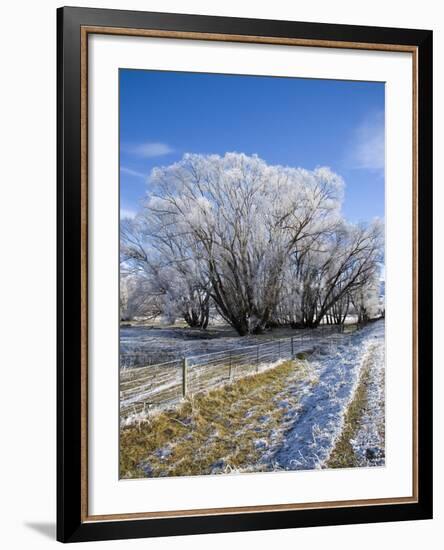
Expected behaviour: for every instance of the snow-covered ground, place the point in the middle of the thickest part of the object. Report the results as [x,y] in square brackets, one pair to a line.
[314,399]
[318,421]
[369,442]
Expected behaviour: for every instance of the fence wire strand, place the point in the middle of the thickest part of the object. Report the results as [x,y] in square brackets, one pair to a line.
[157,384]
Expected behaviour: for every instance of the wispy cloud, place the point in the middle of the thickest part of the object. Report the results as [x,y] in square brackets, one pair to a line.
[131,172]
[151,149]
[368,150]
[127,213]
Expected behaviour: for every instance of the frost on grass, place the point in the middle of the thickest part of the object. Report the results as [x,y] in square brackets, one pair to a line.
[369,442]
[287,417]
[320,420]
[202,381]
[225,430]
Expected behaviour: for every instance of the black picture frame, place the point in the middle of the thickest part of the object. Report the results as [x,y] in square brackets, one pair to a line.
[71,523]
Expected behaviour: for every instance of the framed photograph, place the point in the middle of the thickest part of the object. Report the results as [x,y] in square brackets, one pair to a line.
[245,274]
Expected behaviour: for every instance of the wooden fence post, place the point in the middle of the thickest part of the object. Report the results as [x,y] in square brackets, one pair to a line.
[292,348]
[231,366]
[257,358]
[184,376]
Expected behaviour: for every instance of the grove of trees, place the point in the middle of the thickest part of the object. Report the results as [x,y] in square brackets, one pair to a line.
[262,245]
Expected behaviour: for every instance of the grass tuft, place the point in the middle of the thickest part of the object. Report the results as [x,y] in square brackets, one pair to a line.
[222,430]
[343,455]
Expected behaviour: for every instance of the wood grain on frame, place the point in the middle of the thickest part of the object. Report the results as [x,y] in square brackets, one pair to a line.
[85,31]
[84,273]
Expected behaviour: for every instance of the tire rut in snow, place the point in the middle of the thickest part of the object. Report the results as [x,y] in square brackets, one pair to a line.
[318,424]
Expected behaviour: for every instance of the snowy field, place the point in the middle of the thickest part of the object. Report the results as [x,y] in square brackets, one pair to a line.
[318,422]
[297,426]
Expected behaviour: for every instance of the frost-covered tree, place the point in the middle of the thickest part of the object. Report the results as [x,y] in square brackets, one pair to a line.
[241,221]
[137,298]
[366,300]
[322,279]
[264,244]
[355,256]
[171,276]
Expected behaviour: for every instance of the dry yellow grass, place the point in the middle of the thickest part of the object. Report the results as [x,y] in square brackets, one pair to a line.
[343,455]
[217,431]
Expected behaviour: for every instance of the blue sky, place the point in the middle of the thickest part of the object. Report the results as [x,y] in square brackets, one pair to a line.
[288,121]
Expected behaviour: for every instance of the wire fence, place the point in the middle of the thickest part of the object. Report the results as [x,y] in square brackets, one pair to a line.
[153,385]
